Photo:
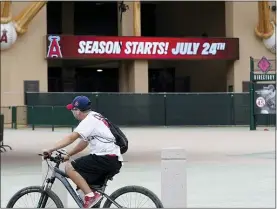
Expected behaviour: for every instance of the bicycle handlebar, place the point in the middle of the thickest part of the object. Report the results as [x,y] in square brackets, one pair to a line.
[56,159]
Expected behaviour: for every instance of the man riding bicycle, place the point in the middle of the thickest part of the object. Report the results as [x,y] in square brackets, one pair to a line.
[104,158]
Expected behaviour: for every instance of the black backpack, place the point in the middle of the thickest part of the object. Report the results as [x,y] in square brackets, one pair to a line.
[120,138]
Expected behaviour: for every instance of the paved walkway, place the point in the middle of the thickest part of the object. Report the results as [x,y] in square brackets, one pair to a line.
[226,167]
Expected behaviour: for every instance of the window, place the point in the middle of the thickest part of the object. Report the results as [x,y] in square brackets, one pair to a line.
[54,17]
[95,18]
[148,19]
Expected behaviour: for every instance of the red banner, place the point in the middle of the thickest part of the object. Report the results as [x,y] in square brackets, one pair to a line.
[123,47]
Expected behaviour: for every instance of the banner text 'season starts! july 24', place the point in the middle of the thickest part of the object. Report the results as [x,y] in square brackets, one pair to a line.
[141,47]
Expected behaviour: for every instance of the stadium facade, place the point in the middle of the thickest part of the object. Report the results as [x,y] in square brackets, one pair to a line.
[131,46]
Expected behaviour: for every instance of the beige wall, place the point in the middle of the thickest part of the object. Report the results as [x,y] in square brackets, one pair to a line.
[241,19]
[25,60]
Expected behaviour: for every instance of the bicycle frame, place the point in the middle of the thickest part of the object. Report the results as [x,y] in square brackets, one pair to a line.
[62,176]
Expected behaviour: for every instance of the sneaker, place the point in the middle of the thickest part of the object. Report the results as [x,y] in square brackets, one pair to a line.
[91,201]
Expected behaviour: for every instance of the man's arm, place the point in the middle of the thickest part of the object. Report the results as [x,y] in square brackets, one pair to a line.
[78,148]
[69,139]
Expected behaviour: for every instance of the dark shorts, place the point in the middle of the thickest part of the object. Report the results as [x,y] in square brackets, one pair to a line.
[94,169]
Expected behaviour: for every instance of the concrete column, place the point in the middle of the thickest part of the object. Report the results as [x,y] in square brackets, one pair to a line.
[137,18]
[173,178]
[125,25]
[229,30]
[123,77]
[138,76]
[230,81]
[57,187]
[137,70]
[124,29]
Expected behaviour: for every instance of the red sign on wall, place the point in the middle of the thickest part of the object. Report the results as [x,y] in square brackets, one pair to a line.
[123,47]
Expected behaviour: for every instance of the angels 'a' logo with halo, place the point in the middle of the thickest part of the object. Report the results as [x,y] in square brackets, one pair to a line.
[11,27]
[54,48]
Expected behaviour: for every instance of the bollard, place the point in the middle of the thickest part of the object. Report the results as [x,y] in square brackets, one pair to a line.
[173,178]
[57,187]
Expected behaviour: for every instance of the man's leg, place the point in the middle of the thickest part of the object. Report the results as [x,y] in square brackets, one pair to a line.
[82,170]
[77,178]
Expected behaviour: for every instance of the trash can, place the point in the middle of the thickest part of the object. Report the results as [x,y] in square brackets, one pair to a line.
[1,129]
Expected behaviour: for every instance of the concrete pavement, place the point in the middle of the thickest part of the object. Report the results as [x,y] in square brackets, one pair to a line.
[227,167]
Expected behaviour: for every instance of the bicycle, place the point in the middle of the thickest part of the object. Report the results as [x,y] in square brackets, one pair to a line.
[46,192]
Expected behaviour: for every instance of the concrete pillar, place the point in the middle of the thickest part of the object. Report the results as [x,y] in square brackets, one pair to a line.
[230,75]
[173,178]
[138,76]
[229,30]
[123,77]
[125,28]
[137,70]
[125,23]
[57,187]
[137,18]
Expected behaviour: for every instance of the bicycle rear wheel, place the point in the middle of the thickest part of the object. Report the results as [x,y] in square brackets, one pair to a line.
[32,190]
[142,191]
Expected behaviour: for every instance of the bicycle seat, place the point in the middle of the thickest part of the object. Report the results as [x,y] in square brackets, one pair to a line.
[109,177]
[102,186]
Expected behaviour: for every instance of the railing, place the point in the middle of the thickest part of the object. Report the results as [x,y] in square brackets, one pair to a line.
[166,109]
[2,145]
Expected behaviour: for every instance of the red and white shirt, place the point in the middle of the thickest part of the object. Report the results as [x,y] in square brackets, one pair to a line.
[96,131]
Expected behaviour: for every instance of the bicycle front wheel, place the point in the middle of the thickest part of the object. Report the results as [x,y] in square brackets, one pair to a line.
[124,197]
[35,197]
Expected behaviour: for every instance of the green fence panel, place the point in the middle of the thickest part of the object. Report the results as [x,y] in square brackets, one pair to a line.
[63,117]
[241,109]
[147,109]
[49,99]
[40,115]
[133,109]
[57,99]
[198,109]
[14,118]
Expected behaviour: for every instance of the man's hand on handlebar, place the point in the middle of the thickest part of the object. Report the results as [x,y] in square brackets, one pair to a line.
[65,158]
[62,155]
[46,153]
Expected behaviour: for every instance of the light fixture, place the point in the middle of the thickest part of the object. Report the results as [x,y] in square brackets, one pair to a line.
[122,8]
[99,70]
